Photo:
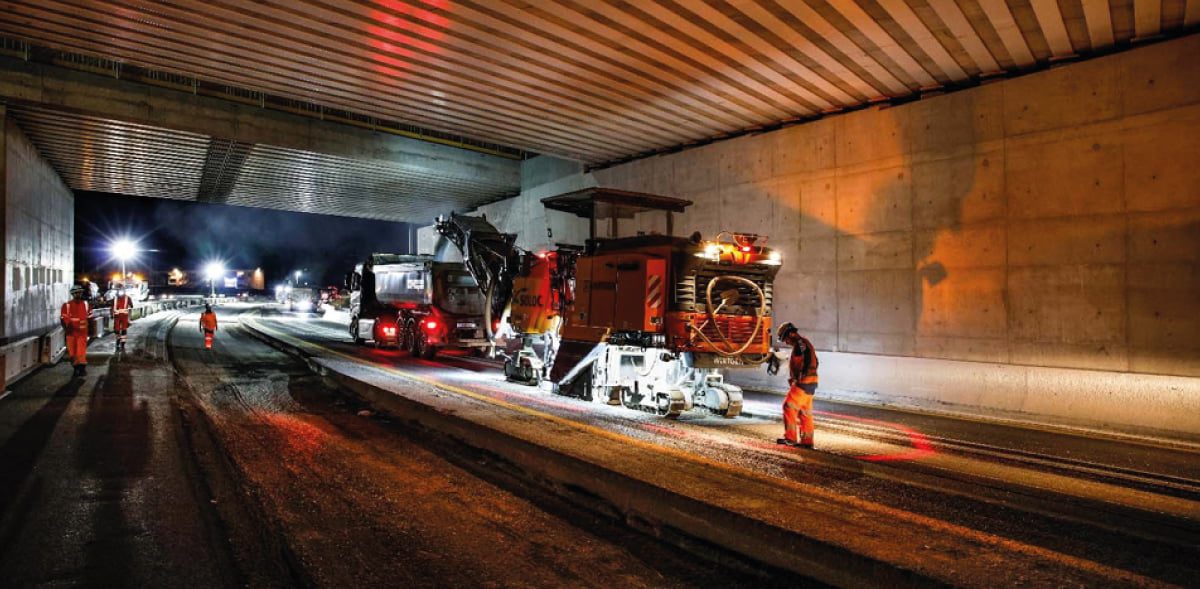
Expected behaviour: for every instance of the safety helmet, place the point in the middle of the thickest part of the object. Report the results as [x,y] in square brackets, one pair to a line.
[785,330]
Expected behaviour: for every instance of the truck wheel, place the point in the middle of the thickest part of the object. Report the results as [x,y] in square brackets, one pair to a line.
[418,345]
[421,347]
[428,352]
[407,339]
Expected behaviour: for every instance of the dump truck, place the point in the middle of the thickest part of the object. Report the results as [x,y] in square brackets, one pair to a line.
[640,317]
[417,304]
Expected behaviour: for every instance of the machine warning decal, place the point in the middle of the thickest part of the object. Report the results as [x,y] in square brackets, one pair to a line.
[654,291]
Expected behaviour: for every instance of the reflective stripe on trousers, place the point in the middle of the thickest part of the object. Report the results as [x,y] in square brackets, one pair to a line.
[797,413]
[77,348]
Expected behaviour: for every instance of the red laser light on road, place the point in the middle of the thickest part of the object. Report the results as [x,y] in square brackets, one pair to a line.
[920,444]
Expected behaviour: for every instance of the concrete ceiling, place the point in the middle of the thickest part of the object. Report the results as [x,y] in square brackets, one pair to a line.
[104,155]
[594,80]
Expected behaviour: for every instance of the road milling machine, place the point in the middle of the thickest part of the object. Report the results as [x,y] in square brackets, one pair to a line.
[525,292]
[637,316]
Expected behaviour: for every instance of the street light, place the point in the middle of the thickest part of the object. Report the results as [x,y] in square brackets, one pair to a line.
[213,270]
[124,250]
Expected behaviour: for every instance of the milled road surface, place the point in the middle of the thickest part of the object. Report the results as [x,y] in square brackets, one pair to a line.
[173,466]
[357,503]
[98,481]
[1127,505]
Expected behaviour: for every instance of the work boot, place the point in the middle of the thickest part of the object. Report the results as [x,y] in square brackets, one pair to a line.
[785,442]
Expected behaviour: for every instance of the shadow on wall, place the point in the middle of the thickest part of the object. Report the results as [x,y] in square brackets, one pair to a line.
[871,210]
[1048,220]
[906,183]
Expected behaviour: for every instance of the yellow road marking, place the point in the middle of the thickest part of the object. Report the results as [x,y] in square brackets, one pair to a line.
[802,489]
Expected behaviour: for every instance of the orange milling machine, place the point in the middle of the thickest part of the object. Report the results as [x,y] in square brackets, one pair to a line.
[654,317]
[638,317]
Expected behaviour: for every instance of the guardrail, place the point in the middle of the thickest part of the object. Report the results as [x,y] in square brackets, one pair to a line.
[21,357]
[101,319]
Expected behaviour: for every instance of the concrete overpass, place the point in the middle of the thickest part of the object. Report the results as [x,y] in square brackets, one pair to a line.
[109,134]
[933,226]
[989,215]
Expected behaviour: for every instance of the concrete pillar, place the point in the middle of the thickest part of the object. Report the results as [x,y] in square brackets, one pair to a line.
[37,239]
[3,223]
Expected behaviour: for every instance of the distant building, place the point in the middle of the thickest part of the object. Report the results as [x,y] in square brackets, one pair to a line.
[247,279]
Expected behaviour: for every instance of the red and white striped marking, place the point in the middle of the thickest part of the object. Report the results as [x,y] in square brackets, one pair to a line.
[654,291]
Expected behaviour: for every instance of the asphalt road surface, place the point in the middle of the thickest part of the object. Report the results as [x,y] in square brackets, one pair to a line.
[172,465]
[1134,506]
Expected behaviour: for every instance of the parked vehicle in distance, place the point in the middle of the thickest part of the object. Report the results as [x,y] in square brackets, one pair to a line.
[416,304]
[302,299]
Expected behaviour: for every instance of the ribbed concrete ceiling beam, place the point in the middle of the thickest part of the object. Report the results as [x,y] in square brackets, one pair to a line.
[921,35]
[1050,19]
[871,30]
[1147,19]
[952,15]
[1099,23]
[297,75]
[114,99]
[598,81]
[1010,34]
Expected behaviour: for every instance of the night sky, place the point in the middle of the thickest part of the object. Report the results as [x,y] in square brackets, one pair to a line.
[190,234]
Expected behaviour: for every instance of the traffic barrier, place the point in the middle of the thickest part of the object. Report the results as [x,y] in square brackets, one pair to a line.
[21,357]
[102,318]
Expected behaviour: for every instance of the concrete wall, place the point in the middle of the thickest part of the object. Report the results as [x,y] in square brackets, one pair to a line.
[536,228]
[1019,249]
[1051,220]
[39,239]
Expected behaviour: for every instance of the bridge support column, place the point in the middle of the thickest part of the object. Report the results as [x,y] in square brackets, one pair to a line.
[37,240]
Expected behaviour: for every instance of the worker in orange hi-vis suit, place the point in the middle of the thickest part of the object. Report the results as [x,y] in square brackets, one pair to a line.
[802,386]
[208,325]
[122,305]
[74,317]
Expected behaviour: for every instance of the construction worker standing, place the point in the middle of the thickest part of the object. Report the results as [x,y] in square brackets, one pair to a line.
[802,385]
[74,317]
[122,305]
[208,326]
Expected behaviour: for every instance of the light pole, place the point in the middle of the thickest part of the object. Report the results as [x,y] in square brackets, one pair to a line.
[213,270]
[123,250]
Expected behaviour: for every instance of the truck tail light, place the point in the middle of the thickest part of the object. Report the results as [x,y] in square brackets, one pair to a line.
[430,325]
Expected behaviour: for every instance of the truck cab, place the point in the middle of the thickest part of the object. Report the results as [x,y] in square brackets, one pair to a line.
[417,304]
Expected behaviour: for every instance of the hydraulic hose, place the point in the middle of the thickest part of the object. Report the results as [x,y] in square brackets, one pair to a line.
[487,314]
[762,311]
